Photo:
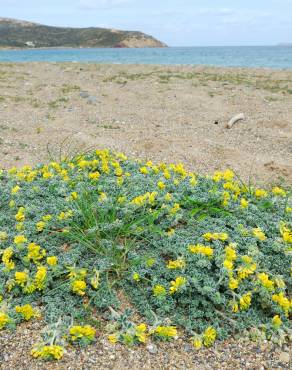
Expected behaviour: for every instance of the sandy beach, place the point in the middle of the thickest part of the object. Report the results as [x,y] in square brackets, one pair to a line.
[171,114]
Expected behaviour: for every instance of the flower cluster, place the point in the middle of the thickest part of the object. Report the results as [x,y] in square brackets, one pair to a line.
[51,352]
[82,334]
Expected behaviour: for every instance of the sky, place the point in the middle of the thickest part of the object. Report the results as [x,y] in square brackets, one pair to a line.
[176,22]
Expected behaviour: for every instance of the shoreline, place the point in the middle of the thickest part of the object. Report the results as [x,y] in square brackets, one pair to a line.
[155,65]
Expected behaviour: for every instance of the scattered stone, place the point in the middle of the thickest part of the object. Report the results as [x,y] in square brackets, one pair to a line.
[152,349]
[84,94]
[92,100]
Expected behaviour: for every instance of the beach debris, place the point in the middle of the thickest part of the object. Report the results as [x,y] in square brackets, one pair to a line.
[238,117]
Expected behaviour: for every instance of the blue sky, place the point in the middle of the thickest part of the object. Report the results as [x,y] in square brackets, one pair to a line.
[176,22]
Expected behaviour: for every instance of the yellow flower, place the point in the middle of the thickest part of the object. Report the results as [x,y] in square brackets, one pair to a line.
[47,218]
[265,281]
[35,253]
[20,215]
[40,277]
[168,197]
[259,234]
[47,175]
[230,252]
[166,332]
[243,203]
[193,181]
[233,283]
[228,264]
[215,236]
[283,302]
[113,338]
[15,190]
[119,172]
[261,193]
[136,276]
[159,291]
[19,239]
[177,264]
[286,233]
[94,175]
[276,321]
[40,226]
[48,352]
[65,215]
[278,191]
[4,319]
[52,261]
[150,262]
[141,333]
[245,301]
[217,176]
[234,307]
[161,185]
[21,277]
[201,249]
[144,170]
[248,269]
[177,284]
[209,336]
[174,209]
[228,175]
[6,258]
[80,332]
[197,342]
[79,287]
[166,174]
[26,311]
[233,187]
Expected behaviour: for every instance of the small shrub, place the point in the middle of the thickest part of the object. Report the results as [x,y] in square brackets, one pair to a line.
[206,257]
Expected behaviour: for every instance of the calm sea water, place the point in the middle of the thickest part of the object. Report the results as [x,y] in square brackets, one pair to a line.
[244,56]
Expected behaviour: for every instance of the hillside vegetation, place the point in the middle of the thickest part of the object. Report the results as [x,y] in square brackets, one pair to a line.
[20,34]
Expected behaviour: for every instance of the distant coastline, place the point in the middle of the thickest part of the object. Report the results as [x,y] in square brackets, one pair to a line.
[18,34]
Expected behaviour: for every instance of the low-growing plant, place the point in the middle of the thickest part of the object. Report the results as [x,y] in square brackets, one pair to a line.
[200,257]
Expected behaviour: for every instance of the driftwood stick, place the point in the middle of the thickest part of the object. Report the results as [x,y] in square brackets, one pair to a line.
[238,117]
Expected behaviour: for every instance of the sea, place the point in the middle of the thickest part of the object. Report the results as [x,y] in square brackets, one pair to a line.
[278,57]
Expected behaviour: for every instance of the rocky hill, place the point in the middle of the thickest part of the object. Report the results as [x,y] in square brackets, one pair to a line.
[22,34]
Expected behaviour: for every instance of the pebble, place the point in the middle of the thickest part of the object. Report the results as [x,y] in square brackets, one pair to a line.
[84,94]
[92,99]
[152,349]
